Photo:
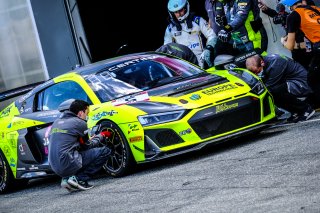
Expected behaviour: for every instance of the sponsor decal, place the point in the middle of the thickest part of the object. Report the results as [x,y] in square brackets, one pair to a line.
[18,123]
[12,162]
[195,97]
[33,167]
[135,139]
[12,140]
[57,130]
[224,107]
[219,89]
[244,39]
[312,15]
[142,96]
[46,140]
[192,84]
[184,132]
[23,98]
[45,84]
[132,127]
[247,55]
[134,61]
[47,114]
[183,101]
[239,84]
[192,46]
[242,4]
[99,115]
[5,112]
[22,148]
[6,150]
[27,110]
[178,33]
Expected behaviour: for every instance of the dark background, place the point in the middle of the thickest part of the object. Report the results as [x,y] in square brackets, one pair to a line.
[140,24]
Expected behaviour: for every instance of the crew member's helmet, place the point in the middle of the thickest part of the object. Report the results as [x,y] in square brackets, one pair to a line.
[176,5]
[290,2]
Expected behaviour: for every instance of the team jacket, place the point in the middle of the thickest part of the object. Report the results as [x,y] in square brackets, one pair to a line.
[281,69]
[190,37]
[64,158]
[310,22]
[244,18]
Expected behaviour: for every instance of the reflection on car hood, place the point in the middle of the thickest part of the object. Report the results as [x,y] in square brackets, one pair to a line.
[155,107]
[186,86]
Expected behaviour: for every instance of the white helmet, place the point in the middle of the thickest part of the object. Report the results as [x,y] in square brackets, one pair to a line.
[176,5]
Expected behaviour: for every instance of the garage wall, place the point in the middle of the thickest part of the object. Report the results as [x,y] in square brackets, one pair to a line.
[59,35]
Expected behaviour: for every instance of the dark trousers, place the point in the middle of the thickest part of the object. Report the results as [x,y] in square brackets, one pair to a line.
[302,57]
[92,161]
[287,101]
[314,80]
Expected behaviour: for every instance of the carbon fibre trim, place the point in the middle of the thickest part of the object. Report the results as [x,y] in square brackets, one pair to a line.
[226,117]
[192,148]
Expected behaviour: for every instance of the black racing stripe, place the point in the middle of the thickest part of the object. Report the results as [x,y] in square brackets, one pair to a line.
[155,107]
[44,116]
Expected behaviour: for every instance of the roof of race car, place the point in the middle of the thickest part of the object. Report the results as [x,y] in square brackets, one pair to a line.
[108,63]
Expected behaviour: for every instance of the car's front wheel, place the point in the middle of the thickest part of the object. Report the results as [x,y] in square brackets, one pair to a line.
[121,161]
[5,174]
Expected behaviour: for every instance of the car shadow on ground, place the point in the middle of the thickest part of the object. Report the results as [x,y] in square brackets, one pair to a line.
[209,150]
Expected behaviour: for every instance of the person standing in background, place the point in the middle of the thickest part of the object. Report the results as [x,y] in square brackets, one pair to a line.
[240,22]
[188,29]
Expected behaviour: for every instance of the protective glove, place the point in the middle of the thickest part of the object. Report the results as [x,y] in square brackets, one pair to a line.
[224,36]
[205,58]
[95,141]
[221,20]
[283,40]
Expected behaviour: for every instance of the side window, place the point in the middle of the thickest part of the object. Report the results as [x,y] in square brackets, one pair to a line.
[52,97]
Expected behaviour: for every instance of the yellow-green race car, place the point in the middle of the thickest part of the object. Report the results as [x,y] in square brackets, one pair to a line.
[155,106]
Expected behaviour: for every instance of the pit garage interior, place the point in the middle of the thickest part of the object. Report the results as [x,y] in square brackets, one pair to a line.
[138,24]
[79,32]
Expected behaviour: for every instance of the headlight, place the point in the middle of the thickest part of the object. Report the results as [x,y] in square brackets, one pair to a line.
[258,88]
[152,119]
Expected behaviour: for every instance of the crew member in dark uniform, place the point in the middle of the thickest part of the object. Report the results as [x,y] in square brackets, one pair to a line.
[72,155]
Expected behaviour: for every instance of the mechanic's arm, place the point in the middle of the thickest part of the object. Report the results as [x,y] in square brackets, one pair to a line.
[290,41]
[243,9]
[168,36]
[267,10]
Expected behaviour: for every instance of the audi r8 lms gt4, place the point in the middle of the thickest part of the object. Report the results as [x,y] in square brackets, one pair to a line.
[154,105]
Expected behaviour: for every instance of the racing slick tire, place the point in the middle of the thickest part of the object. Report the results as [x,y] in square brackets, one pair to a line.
[7,182]
[121,161]
[5,174]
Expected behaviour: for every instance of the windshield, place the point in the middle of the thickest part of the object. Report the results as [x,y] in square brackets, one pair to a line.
[139,75]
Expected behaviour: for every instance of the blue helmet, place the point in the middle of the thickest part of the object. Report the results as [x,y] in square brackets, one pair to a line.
[289,2]
[176,5]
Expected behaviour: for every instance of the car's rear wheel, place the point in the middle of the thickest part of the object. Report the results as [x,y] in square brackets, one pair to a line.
[6,178]
[121,160]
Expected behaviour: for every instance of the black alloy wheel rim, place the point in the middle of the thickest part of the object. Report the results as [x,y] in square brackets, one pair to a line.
[116,144]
